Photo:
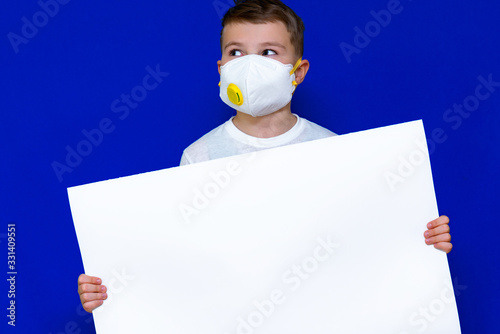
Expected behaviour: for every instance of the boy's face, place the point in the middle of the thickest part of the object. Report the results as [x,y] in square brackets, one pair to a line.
[268,39]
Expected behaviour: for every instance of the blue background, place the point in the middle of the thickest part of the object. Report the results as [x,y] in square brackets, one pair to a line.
[63,79]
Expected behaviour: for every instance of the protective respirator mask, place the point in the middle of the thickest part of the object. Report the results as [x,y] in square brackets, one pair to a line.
[257,85]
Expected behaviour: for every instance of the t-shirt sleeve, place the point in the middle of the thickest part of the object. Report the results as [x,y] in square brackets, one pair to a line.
[184,159]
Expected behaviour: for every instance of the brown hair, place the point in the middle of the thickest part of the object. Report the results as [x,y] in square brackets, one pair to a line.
[265,11]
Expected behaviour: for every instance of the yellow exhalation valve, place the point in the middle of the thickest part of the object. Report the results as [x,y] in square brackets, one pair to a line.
[234,94]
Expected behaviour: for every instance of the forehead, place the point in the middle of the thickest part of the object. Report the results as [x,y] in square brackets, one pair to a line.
[251,33]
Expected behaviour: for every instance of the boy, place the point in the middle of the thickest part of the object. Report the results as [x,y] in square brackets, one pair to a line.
[261,65]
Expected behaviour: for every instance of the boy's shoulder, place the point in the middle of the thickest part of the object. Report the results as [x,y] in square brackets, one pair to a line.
[201,148]
[315,131]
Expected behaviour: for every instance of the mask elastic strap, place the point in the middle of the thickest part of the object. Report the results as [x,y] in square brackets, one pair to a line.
[293,71]
[297,64]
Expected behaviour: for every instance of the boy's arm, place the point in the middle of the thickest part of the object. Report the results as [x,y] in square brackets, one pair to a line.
[438,234]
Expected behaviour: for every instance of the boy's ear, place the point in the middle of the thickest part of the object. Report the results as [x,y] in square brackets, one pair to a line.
[301,71]
[218,65]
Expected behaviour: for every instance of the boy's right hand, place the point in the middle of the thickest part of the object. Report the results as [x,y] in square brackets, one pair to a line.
[92,293]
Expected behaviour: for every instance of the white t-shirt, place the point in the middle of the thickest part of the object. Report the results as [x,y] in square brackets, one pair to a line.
[227,140]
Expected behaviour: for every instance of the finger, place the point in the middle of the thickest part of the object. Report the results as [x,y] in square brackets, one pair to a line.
[438,238]
[86,288]
[442,220]
[89,297]
[441,229]
[88,279]
[444,246]
[90,306]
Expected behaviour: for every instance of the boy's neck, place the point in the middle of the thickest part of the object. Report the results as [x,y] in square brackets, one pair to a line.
[268,126]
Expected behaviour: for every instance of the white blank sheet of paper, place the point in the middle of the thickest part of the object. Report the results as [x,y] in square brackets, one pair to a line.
[320,237]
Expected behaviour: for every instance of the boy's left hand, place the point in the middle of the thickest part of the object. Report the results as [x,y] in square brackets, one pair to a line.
[438,234]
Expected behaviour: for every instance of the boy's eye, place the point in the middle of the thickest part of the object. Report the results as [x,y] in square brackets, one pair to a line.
[235,53]
[268,52]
